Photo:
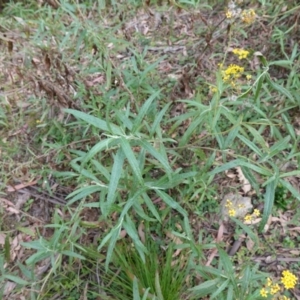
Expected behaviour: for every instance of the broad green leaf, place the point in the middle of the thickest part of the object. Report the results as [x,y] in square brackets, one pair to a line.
[132,160]
[116,173]
[102,125]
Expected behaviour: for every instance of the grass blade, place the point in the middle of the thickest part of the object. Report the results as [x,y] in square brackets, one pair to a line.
[132,160]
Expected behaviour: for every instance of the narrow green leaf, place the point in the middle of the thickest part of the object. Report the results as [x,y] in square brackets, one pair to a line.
[253,181]
[103,145]
[238,162]
[171,202]
[268,203]
[151,206]
[83,192]
[233,133]
[145,296]
[220,289]
[7,249]
[281,89]
[148,147]
[257,136]
[289,126]
[114,180]
[132,232]
[247,229]
[143,111]
[15,279]
[281,63]
[158,119]
[108,74]
[250,144]
[230,293]
[72,254]
[135,289]
[288,186]
[112,237]
[166,183]
[39,256]
[205,288]
[132,159]
[276,148]
[158,290]
[95,121]
[226,264]
[130,202]
[195,124]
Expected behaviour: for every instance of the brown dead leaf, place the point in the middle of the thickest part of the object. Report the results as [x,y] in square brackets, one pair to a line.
[249,244]
[176,240]
[246,184]
[20,186]
[123,233]
[8,288]
[2,239]
[141,231]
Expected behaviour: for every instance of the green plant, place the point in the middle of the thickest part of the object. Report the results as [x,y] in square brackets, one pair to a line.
[161,276]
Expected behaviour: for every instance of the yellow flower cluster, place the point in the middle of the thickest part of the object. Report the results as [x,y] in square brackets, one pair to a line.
[248,16]
[249,218]
[231,210]
[241,53]
[288,279]
[232,73]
